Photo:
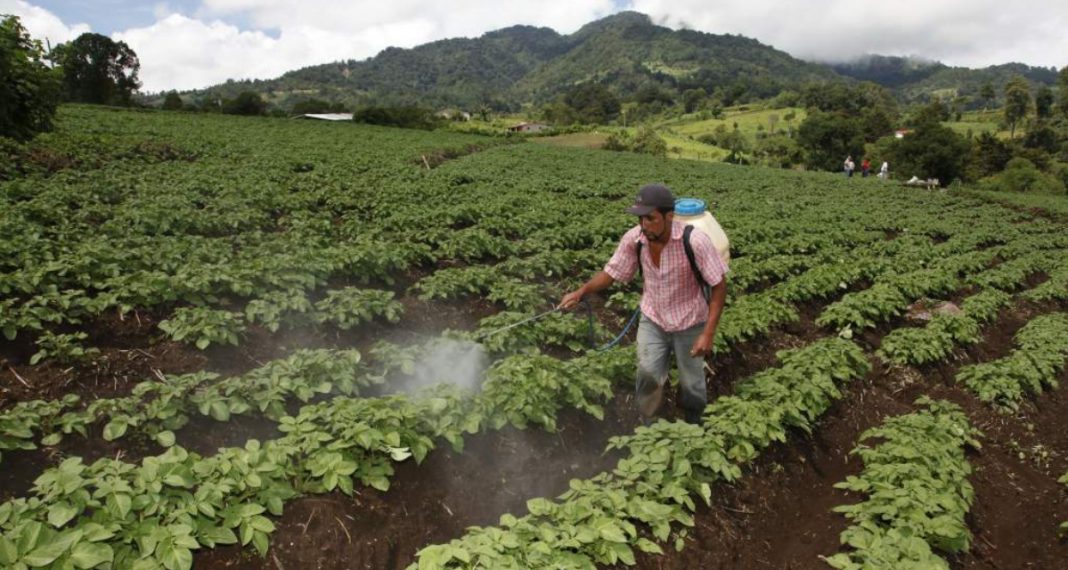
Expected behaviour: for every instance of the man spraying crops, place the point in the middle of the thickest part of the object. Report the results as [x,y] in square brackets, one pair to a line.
[677,316]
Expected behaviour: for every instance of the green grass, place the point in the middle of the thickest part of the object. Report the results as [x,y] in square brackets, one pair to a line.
[581,140]
[685,147]
[978,122]
[748,119]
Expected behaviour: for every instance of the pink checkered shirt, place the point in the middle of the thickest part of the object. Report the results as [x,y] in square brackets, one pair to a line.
[671,297]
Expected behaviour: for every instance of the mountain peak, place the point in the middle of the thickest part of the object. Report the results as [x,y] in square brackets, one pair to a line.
[618,21]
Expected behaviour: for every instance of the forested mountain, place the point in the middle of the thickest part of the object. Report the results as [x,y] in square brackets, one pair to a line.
[523,64]
[625,52]
[916,79]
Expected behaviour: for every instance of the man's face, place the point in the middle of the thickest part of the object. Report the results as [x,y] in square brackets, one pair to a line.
[655,225]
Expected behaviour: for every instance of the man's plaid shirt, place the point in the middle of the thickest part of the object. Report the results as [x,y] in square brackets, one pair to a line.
[671,296]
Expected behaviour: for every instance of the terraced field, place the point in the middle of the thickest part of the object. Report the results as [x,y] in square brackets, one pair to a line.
[256,343]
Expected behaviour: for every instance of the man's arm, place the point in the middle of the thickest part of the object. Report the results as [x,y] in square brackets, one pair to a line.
[703,345]
[595,284]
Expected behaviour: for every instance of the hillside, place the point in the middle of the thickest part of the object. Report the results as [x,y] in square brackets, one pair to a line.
[916,79]
[522,64]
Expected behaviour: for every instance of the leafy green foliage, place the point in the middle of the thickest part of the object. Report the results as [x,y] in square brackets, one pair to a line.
[1033,366]
[936,340]
[272,309]
[236,226]
[19,422]
[931,343]
[28,88]
[667,465]
[827,138]
[1064,525]
[351,306]
[930,151]
[63,348]
[176,502]
[918,494]
[531,389]
[202,326]
[645,141]
[406,116]
[246,103]
[97,69]
[555,330]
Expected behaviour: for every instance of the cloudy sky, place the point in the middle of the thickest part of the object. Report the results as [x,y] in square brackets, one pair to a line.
[186,44]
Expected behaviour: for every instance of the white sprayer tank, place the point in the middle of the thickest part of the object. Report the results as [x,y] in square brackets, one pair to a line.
[692,211]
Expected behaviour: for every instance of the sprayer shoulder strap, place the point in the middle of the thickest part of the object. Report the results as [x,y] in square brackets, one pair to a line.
[689,256]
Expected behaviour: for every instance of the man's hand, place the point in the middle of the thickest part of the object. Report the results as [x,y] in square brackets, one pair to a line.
[570,300]
[597,283]
[702,346]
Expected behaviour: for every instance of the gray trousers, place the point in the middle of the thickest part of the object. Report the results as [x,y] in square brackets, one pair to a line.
[655,346]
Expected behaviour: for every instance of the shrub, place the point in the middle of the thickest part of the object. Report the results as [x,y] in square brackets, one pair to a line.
[1021,175]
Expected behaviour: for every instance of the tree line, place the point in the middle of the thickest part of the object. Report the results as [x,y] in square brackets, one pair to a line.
[89,69]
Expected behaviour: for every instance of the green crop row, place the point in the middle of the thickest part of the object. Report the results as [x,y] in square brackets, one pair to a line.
[1042,347]
[156,407]
[938,339]
[1064,525]
[918,495]
[890,296]
[667,467]
[113,514]
[1054,288]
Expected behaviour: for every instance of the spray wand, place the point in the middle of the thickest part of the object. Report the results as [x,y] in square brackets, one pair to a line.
[516,324]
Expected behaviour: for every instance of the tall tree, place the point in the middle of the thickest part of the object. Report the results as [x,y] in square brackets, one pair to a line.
[987,93]
[593,103]
[693,98]
[246,103]
[97,69]
[1062,90]
[931,151]
[1044,102]
[827,138]
[173,102]
[1017,102]
[29,90]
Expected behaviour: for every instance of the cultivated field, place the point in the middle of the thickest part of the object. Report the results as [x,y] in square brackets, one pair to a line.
[260,343]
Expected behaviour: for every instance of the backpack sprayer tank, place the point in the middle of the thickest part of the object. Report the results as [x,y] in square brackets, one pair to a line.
[692,211]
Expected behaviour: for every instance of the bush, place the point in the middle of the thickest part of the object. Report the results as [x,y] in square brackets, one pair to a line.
[246,103]
[29,90]
[314,106]
[406,116]
[931,151]
[779,151]
[1021,175]
[172,102]
[646,141]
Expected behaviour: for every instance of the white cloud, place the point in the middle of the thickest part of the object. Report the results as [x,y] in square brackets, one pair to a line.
[242,39]
[42,24]
[449,18]
[973,33]
[181,52]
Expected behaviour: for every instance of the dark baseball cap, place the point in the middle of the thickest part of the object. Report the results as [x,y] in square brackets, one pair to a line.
[652,197]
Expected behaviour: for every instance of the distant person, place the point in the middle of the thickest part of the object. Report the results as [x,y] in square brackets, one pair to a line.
[676,315]
[848,166]
[865,167]
[884,170]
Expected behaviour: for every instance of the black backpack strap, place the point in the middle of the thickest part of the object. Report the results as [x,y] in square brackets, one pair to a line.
[705,289]
[640,273]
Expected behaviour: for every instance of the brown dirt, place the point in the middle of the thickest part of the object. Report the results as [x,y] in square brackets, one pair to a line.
[497,473]
[779,514]
[434,502]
